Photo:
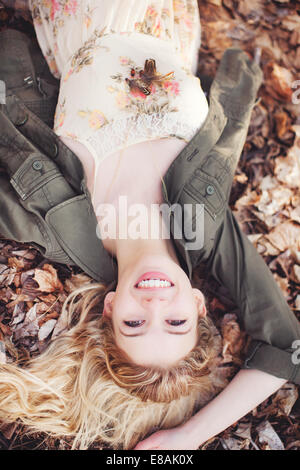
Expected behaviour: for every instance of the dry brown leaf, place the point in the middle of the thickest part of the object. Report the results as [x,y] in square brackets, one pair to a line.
[3,358]
[50,315]
[267,435]
[264,247]
[273,200]
[287,169]
[18,314]
[218,3]
[297,302]
[291,22]
[6,275]
[254,237]
[47,279]
[233,338]
[230,443]
[241,178]
[296,273]
[17,263]
[295,445]
[285,261]
[61,325]
[284,236]
[279,81]
[76,281]
[48,299]
[269,47]
[46,329]
[285,398]
[30,325]
[295,214]
[283,283]
[5,329]
[8,429]
[282,123]
[217,39]
[41,307]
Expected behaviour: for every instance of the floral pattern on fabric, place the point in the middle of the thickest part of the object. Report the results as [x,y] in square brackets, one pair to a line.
[54,12]
[59,116]
[96,118]
[153,22]
[50,58]
[126,69]
[185,17]
[147,91]
[70,23]
[84,55]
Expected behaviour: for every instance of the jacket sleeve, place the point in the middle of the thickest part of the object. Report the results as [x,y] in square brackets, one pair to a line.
[264,312]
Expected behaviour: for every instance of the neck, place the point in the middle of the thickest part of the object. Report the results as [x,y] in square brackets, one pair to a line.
[129,250]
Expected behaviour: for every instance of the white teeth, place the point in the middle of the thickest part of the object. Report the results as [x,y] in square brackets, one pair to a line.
[154,283]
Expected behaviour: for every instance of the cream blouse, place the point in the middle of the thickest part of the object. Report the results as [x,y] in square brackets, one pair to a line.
[126,69]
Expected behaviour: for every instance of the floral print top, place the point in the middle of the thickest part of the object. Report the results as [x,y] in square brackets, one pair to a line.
[126,69]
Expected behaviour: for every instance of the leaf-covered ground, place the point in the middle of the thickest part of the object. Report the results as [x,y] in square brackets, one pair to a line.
[265,198]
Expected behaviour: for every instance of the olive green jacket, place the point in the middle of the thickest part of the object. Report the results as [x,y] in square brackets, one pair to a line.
[44,199]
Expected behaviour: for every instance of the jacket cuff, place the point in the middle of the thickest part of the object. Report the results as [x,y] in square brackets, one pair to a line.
[282,363]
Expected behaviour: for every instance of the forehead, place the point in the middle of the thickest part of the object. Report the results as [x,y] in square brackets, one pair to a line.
[160,349]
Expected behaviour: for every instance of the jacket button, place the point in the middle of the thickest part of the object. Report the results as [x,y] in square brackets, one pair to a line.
[22,121]
[37,165]
[55,150]
[210,190]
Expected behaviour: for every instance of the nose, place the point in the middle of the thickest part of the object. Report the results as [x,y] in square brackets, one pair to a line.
[152,303]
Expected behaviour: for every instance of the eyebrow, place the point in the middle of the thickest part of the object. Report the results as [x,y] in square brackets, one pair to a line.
[170,332]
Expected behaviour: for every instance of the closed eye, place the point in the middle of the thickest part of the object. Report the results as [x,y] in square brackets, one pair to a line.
[176,322]
[134,323]
[137,323]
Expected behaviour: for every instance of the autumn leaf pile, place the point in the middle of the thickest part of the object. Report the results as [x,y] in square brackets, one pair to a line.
[265,199]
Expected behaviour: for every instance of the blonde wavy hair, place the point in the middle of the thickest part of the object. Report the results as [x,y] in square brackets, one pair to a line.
[84,387]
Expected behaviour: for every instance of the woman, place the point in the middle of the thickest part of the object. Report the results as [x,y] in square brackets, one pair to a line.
[147,362]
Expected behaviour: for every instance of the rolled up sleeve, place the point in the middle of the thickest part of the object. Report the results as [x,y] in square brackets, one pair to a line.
[263,311]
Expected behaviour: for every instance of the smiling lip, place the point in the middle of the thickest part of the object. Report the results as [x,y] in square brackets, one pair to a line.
[154,275]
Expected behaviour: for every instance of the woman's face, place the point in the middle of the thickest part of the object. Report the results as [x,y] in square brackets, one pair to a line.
[155,325]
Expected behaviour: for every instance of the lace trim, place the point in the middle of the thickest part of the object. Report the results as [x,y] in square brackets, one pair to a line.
[121,133]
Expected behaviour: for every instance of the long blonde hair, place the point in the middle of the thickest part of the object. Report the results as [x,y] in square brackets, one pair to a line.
[83,386]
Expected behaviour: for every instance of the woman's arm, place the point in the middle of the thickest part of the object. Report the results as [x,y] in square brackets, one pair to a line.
[263,312]
[246,391]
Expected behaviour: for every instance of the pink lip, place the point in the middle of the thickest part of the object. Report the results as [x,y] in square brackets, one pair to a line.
[154,275]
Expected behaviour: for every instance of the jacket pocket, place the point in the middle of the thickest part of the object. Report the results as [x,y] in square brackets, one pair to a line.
[74,225]
[206,190]
[36,172]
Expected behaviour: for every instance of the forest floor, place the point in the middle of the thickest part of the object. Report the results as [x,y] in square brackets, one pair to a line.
[265,198]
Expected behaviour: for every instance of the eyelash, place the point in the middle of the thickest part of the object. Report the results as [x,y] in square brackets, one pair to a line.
[137,323]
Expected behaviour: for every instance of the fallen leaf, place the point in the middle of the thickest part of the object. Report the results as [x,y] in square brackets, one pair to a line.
[46,329]
[268,435]
[296,273]
[279,81]
[17,263]
[47,279]
[297,302]
[233,338]
[18,314]
[230,443]
[285,398]
[282,123]
[284,236]
[30,325]
[283,283]
[2,353]
[287,169]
